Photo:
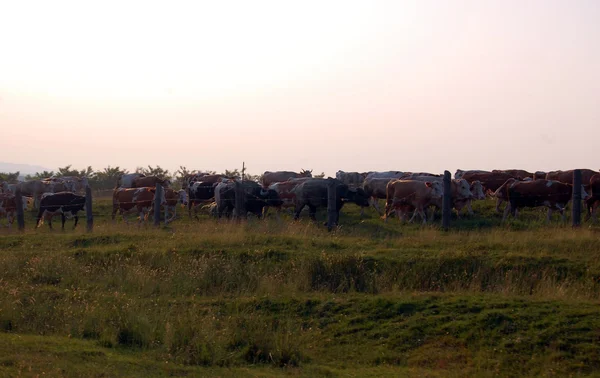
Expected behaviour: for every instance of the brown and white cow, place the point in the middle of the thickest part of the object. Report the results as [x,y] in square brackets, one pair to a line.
[173,198]
[286,193]
[8,206]
[593,202]
[135,200]
[402,195]
[477,194]
[281,176]
[459,188]
[554,195]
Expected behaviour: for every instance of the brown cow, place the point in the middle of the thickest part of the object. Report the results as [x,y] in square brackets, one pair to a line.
[552,194]
[8,206]
[567,176]
[139,200]
[173,198]
[281,176]
[593,202]
[406,194]
[519,174]
[149,181]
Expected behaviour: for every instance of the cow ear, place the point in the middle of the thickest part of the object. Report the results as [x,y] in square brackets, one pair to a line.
[428,184]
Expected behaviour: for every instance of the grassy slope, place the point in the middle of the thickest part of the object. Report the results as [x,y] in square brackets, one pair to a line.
[267,299]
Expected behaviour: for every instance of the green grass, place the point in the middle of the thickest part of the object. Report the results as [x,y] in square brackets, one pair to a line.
[264,298]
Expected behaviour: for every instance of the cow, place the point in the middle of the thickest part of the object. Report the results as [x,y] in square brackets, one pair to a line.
[126,180]
[375,189]
[286,193]
[352,179]
[8,206]
[403,195]
[460,191]
[173,198]
[256,197]
[202,192]
[460,173]
[66,204]
[413,175]
[490,181]
[8,188]
[385,175]
[539,175]
[549,193]
[149,181]
[313,193]
[35,189]
[190,178]
[593,202]
[519,174]
[567,176]
[477,194]
[280,176]
[138,200]
[70,183]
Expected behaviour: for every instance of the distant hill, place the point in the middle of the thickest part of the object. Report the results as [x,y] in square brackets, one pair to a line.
[24,169]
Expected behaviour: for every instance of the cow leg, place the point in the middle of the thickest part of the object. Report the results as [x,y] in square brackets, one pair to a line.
[63,219]
[312,212]
[507,209]
[114,211]
[49,221]
[469,208]
[297,211]
[549,216]
[498,203]
[375,203]
[76,220]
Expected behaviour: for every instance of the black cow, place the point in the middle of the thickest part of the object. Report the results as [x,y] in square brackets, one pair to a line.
[66,204]
[202,192]
[313,193]
[257,198]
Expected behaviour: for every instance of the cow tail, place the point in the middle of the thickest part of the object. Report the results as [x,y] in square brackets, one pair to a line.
[39,216]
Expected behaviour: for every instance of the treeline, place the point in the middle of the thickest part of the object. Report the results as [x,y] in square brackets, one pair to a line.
[107,177]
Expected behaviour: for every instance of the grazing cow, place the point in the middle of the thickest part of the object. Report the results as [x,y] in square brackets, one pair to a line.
[549,193]
[460,173]
[375,189]
[126,180]
[313,193]
[403,195]
[138,200]
[148,181]
[202,192]
[352,179]
[519,174]
[8,206]
[257,197]
[281,176]
[66,204]
[567,176]
[593,202]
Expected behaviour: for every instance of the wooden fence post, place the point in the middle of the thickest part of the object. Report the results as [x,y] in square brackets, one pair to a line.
[157,203]
[240,200]
[331,204]
[446,201]
[576,209]
[88,209]
[20,212]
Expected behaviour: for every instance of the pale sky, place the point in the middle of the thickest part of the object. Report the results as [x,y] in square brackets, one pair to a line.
[325,85]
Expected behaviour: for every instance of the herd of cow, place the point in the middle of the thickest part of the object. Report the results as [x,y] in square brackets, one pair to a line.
[404,193]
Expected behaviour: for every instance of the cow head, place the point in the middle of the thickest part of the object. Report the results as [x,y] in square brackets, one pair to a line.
[305,173]
[358,196]
[477,190]
[183,197]
[437,189]
[584,195]
[463,189]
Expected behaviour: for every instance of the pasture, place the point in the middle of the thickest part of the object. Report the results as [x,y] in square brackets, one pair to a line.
[265,298]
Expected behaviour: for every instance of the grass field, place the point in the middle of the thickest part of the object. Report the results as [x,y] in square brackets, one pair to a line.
[273,299]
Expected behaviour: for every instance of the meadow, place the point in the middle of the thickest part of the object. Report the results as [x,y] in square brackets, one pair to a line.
[268,298]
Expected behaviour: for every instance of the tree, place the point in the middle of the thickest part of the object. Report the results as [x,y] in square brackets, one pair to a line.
[11,178]
[106,178]
[67,171]
[40,175]
[158,171]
